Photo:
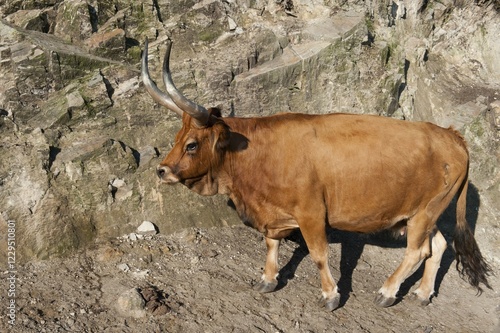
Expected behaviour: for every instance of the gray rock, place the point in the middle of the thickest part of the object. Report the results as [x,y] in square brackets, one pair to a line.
[123,267]
[232,24]
[75,100]
[131,304]
[147,228]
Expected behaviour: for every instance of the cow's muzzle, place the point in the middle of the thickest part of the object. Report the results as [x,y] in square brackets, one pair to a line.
[166,175]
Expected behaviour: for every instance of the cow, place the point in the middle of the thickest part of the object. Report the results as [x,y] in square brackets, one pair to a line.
[358,173]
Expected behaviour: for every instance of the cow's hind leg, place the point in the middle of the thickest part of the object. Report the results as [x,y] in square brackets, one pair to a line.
[418,248]
[425,290]
[269,280]
[315,236]
[436,242]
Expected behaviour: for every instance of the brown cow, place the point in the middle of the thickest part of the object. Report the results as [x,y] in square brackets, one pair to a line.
[355,172]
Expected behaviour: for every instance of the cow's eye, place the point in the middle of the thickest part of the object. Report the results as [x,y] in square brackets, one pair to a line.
[191,146]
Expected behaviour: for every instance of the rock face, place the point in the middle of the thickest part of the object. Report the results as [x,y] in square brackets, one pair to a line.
[81,138]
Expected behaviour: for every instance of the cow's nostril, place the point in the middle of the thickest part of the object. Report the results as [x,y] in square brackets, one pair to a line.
[160,171]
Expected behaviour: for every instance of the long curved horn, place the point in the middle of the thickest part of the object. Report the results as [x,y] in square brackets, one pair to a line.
[196,111]
[158,95]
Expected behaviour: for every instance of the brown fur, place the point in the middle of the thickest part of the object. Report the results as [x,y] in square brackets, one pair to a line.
[360,173]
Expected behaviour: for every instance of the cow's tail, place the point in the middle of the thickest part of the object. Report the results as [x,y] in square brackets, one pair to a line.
[470,263]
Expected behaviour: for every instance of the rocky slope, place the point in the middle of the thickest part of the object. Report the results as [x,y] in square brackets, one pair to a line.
[80,138]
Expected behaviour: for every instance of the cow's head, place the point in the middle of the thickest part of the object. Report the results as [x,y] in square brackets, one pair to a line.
[199,146]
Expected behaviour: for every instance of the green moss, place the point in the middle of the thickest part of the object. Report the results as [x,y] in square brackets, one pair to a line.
[134,53]
[209,35]
[476,127]
[72,66]
[370,25]
[483,30]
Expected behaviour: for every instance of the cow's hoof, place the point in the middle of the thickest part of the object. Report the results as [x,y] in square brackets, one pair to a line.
[330,304]
[383,301]
[265,287]
[418,300]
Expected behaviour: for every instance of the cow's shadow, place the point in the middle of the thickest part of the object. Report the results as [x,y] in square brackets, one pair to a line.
[352,246]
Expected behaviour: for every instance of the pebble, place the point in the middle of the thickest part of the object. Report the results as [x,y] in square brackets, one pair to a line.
[147,228]
[118,183]
[141,274]
[75,100]
[131,304]
[232,24]
[123,267]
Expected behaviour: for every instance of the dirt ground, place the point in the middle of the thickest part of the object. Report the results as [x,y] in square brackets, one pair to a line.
[199,280]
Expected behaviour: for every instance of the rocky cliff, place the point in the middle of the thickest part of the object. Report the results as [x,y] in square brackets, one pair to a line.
[80,138]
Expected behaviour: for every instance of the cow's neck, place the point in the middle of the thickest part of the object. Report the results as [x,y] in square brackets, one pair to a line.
[240,175]
[234,170]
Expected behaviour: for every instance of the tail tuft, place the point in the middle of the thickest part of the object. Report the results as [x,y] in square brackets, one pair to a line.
[470,263]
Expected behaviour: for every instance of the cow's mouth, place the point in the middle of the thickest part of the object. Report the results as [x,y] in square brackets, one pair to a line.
[190,182]
[169,181]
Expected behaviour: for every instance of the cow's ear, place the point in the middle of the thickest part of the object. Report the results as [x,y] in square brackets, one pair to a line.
[220,135]
[220,130]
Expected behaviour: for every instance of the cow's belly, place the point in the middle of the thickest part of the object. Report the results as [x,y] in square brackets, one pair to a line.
[366,224]
[369,204]
[372,213]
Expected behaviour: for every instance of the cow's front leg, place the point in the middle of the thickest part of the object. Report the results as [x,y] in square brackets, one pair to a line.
[269,281]
[314,234]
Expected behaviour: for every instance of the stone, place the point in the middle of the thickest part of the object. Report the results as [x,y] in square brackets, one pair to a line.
[141,275]
[232,24]
[118,183]
[147,228]
[147,154]
[131,304]
[74,100]
[123,267]
[73,21]
[120,190]
[495,108]
[29,19]
[108,43]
